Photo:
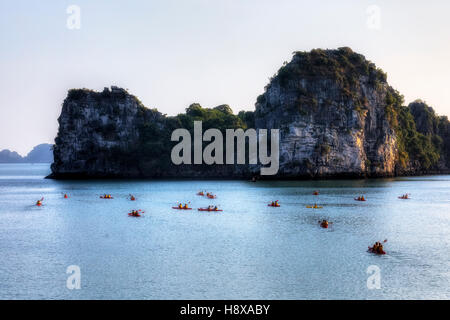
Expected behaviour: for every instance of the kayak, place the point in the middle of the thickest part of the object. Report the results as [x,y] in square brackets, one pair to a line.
[323,225]
[312,207]
[102,197]
[315,193]
[39,204]
[134,215]
[356,199]
[206,209]
[403,198]
[200,194]
[212,197]
[371,250]
[181,208]
[269,205]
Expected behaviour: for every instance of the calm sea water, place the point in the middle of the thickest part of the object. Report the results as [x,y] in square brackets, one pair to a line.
[249,251]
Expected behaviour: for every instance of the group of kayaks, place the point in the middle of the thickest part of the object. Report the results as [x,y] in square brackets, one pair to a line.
[207,194]
[377,248]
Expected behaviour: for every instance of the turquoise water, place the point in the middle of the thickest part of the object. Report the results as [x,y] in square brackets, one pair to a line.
[248,251]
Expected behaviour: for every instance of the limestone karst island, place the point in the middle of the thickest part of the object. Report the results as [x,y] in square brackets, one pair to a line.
[335,111]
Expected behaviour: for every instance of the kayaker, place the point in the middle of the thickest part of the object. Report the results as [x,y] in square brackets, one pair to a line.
[132,198]
[215,208]
[377,248]
[65,196]
[180,206]
[324,224]
[186,206]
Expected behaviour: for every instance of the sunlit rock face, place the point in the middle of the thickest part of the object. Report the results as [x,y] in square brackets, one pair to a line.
[330,107]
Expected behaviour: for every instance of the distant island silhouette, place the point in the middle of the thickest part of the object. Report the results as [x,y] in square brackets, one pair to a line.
[42,153]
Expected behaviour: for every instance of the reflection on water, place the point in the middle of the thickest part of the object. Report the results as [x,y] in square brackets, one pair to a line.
[249,251]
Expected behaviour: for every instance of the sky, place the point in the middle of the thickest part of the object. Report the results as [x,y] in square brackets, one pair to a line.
[173,53]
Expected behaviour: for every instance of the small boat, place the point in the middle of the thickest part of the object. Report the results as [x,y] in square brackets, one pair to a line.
[324,225]
[39,202]
[315,193]
[209,209]
[106,197]
[211,196]
[360,199]
[200,193]
[182,208]
[274,204]
[404,197]
[372,250]
[314,207]
[131,214]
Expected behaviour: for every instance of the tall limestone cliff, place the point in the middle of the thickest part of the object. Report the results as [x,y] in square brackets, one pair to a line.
[99,134]
[331,107]
[337,116]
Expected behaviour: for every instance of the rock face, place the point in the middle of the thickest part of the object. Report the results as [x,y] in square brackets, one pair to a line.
[330,109]
[99,134]
[336,114]
[110,134]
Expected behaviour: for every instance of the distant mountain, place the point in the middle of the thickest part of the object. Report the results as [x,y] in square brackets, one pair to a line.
[42,153]
[7,156]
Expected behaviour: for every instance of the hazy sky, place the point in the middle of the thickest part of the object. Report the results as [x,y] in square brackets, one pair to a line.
[173,53]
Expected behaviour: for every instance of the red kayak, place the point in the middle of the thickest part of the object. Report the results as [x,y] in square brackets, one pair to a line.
[181,208]
[207,209]
[356,199]
[371,250]
[134,215]
[273,205]
[211,196]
